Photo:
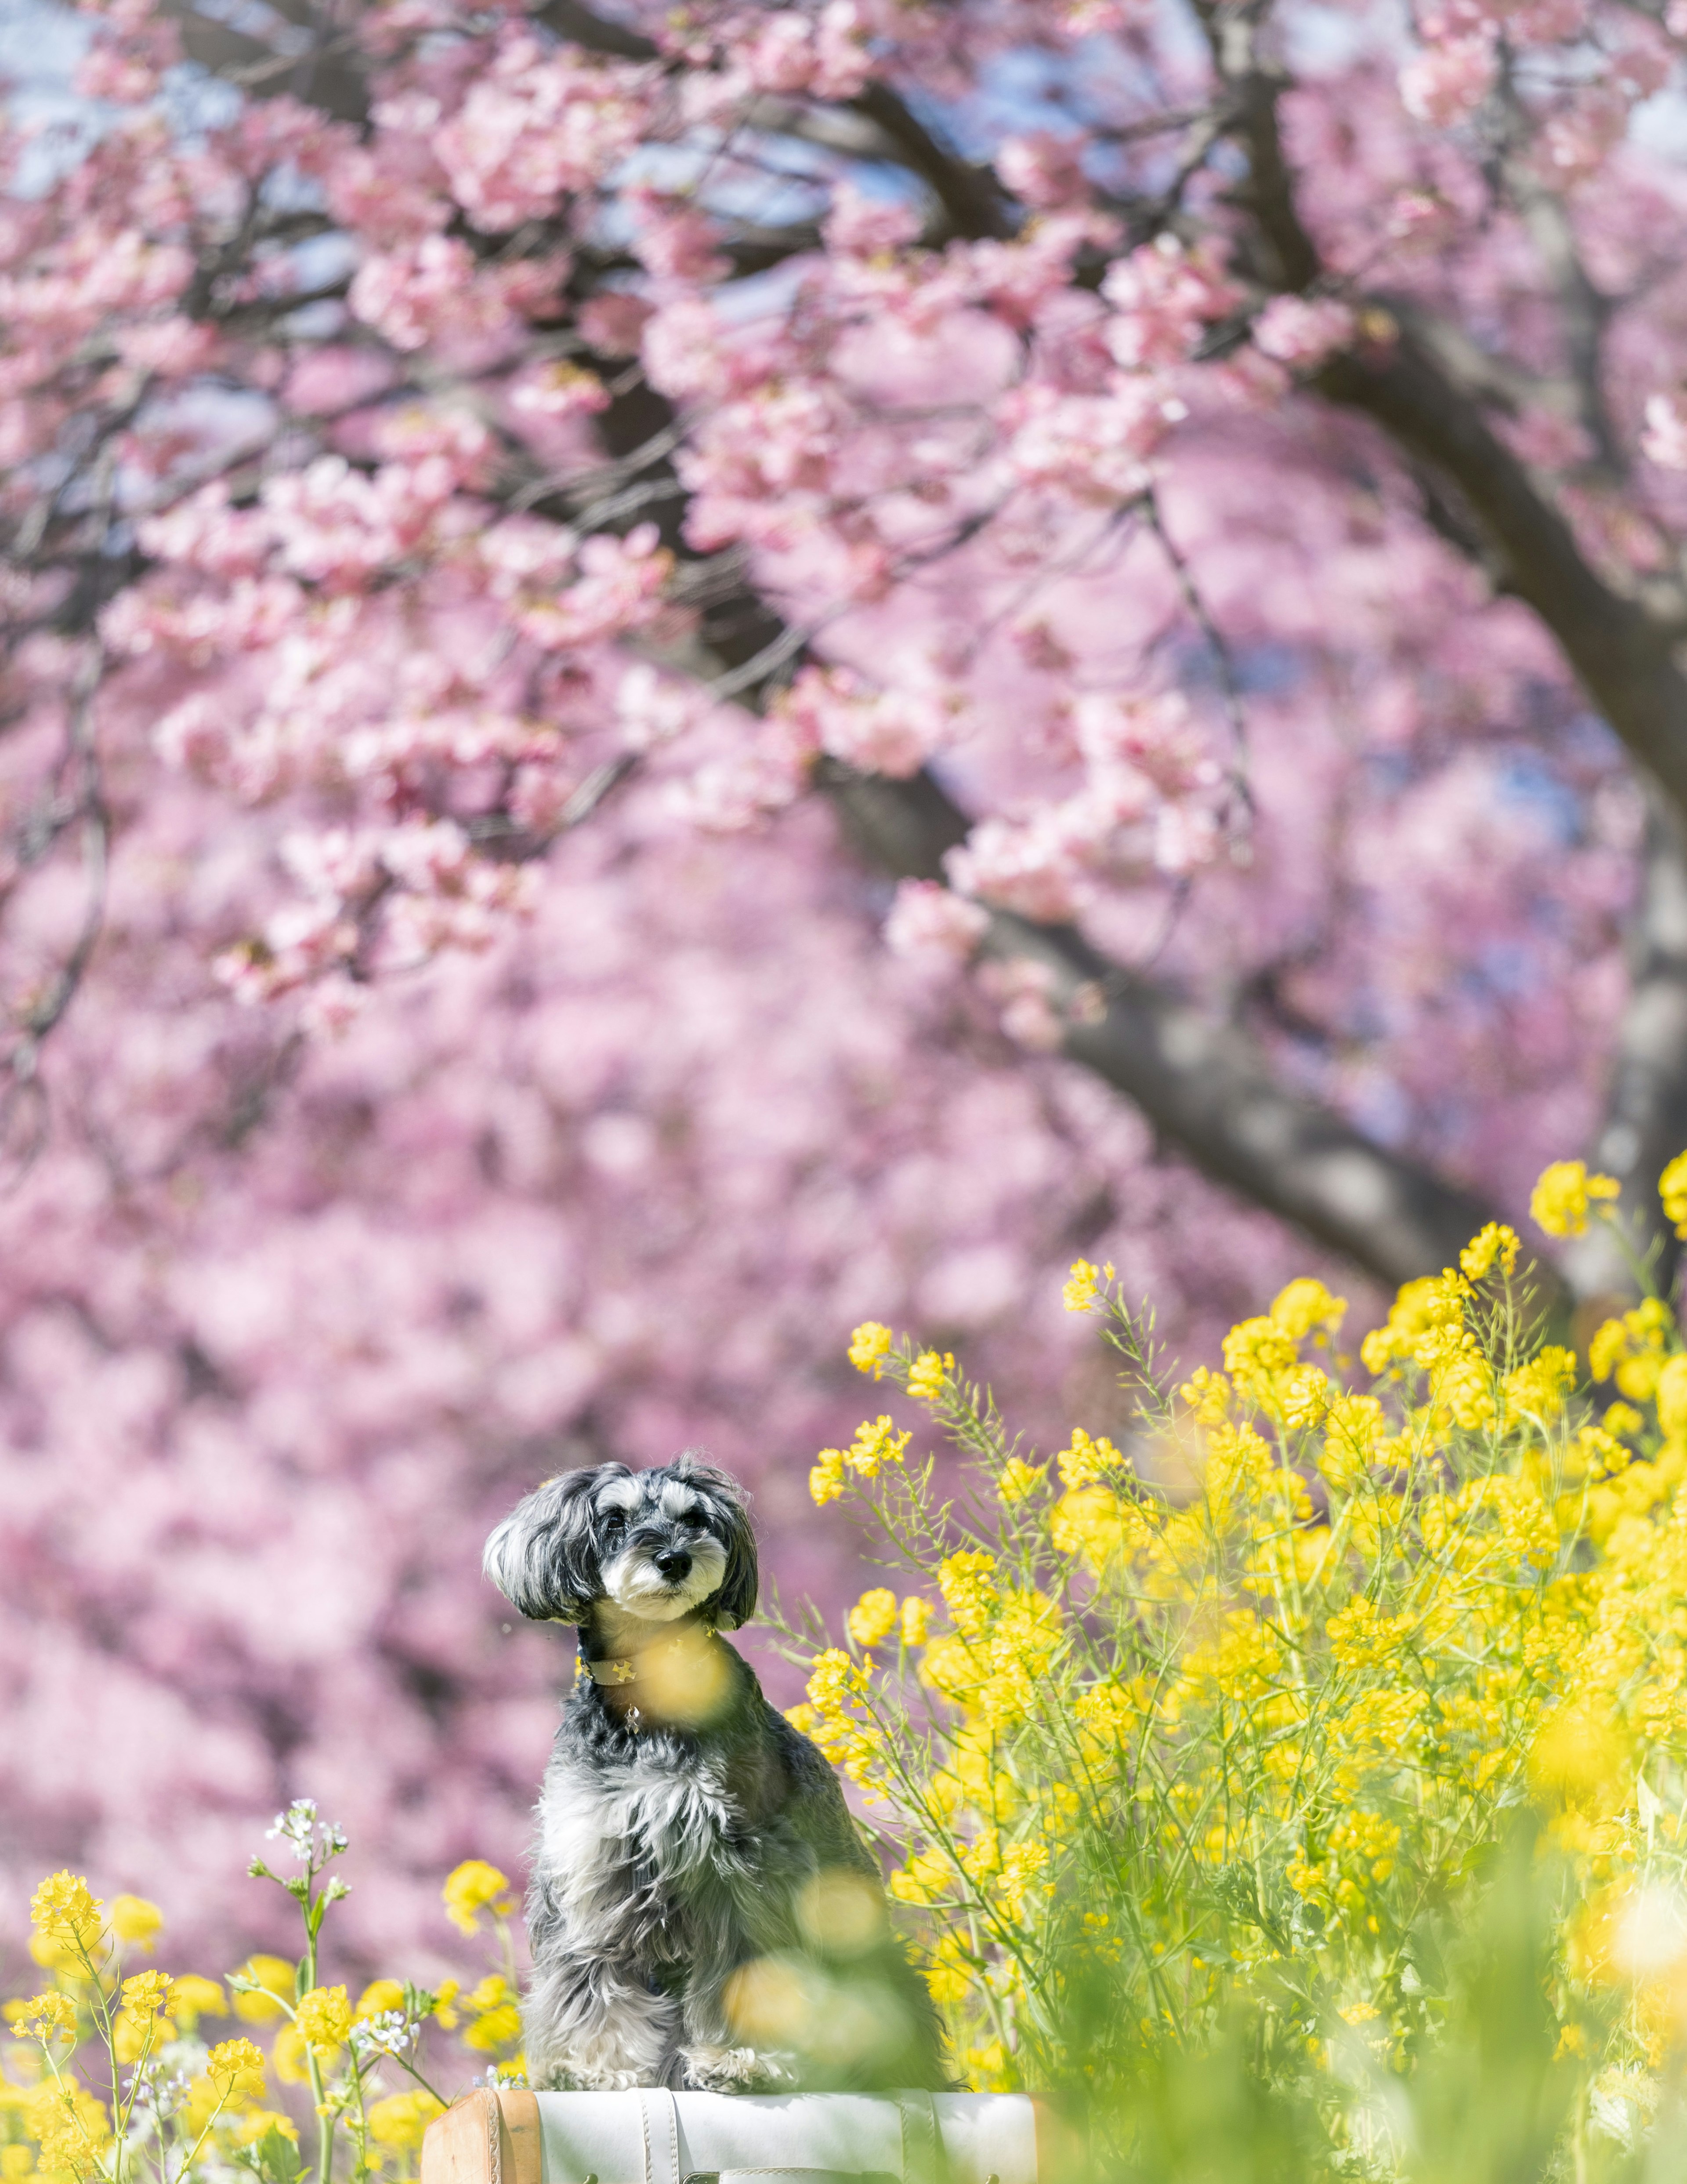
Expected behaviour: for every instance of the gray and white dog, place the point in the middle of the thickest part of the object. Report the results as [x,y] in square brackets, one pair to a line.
[702,1912]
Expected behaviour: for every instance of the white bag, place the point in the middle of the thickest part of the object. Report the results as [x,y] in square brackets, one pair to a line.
[658,2137]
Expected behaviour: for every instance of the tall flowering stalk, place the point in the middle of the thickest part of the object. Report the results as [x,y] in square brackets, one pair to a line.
[1228,1710]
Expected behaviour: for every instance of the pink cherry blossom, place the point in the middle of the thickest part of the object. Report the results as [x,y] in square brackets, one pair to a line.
[524,534]
[1303,331]
[934,922]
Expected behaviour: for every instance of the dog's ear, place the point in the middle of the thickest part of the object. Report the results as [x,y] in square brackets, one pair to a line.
[733,1602]
[541,1558]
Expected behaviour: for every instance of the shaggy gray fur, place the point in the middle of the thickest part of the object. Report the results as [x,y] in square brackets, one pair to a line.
[672,1851]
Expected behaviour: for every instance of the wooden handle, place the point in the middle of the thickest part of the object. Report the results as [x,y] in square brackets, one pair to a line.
[485,2139]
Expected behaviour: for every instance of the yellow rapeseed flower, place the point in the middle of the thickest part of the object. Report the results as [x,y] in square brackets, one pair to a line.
[324,2018]
[1097,1525]
[495,2028]
[1360,1636]
[1207,1394]
[380,1997]
[825,1480]
[1672,1189]
[1304,1305]
[470,1889]
[146,1994]
[134,1920]
[1019,1480]
[49,2016]
[927,1373]
[235,2070]
[1496,1242]
[876,1444]
[65,1913]
[70,2127]
[132,2036]
[1354,1425]
[949,1973]
[1580,1760]
[873,1617]
[1085,1461]
[916,1621]
[1256,1349]
[928,1878]
[1422,1310]
[1083,1285]
[1609,1346]
[497,2017]
[967,1582]
[397,2122]
[290,2056]
[1020,1863]
[1671,1397]
[870,1345]
[1541,1387]
[1564,1194]
[834,1681]
[193,1997]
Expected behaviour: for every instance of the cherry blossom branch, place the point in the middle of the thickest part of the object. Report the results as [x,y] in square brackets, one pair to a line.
[1205,1086]
[1620,644]
[1239,815]
[1584,311]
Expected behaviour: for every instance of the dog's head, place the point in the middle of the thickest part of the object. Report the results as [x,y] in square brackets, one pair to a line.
[658,1544]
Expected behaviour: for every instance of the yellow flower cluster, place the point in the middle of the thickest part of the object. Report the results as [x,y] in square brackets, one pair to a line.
[1341,1620]
[473,1887]
[873,1617]
[324,2018]
[65,1915]
[1495,1245]
[397,2123]
[1084,1284]
[877,1443]
[1672,1189]
[1565,1195]
[869,1347]
[1018,1480]
[929,1374]
[1633,1349]
[1084,1462]
[201,2108]
[834,1718]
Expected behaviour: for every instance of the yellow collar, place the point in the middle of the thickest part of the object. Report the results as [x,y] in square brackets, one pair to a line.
[611,1672]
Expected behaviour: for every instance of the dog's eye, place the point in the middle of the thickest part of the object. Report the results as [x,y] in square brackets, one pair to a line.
[614,1524]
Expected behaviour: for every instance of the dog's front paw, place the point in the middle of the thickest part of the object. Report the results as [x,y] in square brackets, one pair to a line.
[578,2078]
[734,2071]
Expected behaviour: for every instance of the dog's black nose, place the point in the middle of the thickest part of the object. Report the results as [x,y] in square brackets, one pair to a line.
[674,1563]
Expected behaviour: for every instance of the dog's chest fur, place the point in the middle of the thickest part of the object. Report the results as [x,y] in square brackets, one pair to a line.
[652,1837]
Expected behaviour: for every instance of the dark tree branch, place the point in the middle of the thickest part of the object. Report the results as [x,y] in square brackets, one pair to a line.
[969,195]
[1622,643]
[1621,647]
[1645,1120]
[331,78]
[1208,1089]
